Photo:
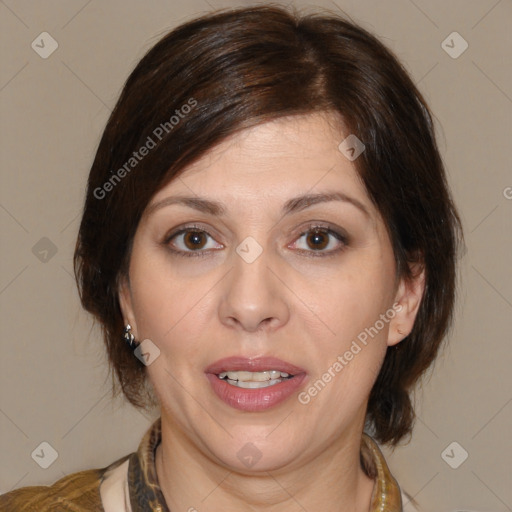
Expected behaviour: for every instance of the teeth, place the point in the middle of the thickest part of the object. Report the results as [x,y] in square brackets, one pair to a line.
[253,384]
[243,376]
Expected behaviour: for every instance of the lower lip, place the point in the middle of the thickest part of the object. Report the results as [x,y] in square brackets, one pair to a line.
[255,400]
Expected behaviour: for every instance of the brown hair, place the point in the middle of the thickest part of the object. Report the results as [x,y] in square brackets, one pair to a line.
[218,74]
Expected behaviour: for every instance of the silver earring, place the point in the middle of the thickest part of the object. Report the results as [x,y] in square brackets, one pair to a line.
[128,337]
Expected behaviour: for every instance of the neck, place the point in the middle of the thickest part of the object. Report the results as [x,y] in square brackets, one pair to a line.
[332,482]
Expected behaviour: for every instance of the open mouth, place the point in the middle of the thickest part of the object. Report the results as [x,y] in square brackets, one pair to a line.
[254,380]
[254,384]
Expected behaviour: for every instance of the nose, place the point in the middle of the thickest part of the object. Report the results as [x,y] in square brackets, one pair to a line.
[253,296]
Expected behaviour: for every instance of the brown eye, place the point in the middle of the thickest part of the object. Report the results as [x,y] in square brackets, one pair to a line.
[318,239]
[191,241]
[194,239]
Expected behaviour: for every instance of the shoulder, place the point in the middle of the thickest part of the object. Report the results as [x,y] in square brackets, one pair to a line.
[78,492]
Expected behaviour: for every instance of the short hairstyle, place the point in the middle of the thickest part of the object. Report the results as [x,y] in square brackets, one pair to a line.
[221,73]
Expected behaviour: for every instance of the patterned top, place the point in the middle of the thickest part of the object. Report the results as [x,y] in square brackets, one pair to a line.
[130,484]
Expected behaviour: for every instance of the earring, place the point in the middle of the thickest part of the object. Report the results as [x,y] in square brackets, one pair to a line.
[128,337]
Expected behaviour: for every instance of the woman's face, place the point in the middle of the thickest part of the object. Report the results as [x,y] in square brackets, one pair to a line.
[262,281]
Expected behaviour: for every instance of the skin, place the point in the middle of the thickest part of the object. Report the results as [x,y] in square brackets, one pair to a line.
[303,309]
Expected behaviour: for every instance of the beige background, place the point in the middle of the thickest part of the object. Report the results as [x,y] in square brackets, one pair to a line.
[53,385]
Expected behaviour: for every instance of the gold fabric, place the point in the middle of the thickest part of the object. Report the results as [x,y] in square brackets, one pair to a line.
[79,492]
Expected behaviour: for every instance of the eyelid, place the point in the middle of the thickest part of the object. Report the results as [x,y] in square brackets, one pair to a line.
[334,231]
[194,226]
[325,227]
[180,230]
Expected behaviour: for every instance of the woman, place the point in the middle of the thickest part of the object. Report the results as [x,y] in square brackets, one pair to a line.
[269,244]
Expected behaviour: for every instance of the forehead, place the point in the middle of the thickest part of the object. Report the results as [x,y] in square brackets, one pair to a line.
[275,160]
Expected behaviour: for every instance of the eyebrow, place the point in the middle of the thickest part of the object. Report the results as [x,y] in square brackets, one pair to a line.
[294,204]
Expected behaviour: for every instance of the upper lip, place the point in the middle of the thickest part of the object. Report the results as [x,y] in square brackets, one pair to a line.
[254,364]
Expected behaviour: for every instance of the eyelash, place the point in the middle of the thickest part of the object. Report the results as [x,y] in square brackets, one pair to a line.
[200,253]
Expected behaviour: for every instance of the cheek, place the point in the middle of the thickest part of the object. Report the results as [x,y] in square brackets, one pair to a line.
[354,296]
[169,308]
[347,364]
[356,310]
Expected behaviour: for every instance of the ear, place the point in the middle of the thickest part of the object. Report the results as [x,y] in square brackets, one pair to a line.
[407,303]
[126,303]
